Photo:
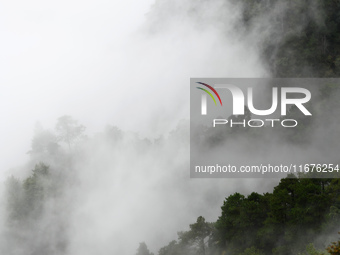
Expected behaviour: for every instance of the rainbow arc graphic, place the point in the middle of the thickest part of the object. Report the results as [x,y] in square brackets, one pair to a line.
[209,93]
[204,97]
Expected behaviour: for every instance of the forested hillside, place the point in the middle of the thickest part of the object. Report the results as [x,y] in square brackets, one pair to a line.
[88,194]
[297,213]
[300,38]
[297,38]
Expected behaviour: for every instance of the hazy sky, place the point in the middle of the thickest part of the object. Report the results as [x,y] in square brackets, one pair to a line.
[128,64]
[61,58]
[95,61]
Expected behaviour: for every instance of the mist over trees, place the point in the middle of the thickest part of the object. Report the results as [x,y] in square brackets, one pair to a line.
[297,39]
[300,216]
[300,38]
[286,221]
[38,209]
[143,250]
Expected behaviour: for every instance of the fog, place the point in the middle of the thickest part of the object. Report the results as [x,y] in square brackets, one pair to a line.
[102,58]
[125,64]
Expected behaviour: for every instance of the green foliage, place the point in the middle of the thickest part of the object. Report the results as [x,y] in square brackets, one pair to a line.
[297,209]
[241,215]
[334,248]
[198,240]
[37,188]
[173,248]
[26,200]
[283,222]
[197,234]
